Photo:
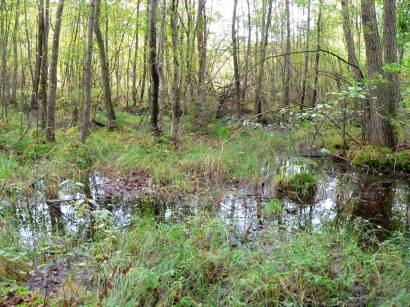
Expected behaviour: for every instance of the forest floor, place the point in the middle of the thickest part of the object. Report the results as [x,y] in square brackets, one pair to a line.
[210,226]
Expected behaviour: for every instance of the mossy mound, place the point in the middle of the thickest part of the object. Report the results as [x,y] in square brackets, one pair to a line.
[302,185]
[382,157]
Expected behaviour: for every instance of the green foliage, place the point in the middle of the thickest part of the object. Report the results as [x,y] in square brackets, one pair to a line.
[382,157]
[194,263]
[303,184]
[37,151]
[272,208]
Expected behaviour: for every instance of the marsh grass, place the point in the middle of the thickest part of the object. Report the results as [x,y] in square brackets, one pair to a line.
[200,160]
[196,262]
[302,185]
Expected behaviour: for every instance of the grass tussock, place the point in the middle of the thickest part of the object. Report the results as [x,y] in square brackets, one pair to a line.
[195,263]
[382,158]
[302,185]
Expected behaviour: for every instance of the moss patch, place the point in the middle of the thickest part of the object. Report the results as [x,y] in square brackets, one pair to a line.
[382,157]
[302,185]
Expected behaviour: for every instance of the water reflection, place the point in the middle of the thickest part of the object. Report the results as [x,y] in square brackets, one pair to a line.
[343,193]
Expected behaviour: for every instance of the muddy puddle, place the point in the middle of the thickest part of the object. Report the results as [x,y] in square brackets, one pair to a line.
[343,193]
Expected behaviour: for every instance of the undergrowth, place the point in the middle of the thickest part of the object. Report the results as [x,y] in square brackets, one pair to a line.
[196,262]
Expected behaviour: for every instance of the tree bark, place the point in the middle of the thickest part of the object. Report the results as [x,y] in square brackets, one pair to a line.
[154,65]
[248,54]
[236,60]
[390,56]
[262,57]
[379,128]
[105,70]
[53,75]
[347,30]
[161,51]
[15,53]
[317,59]
[201,39]
[286,85]
[85,127]
[176,88]
[135,59]
[306,64]
[44,64]
[5,86]
[36,79]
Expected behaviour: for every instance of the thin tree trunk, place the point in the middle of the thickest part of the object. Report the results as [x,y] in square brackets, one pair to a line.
[161,51]
[286,85]
[85,128]
[53,75]
[236,60]
[248,53]
[262,56]
[4,40]
[135,59]
[36,79]
[201,39]
[144,73]
[105,70]
[306,65]
[44,65]
[176,88]
[154,65]
[15,53]
[349,40]
[317,60]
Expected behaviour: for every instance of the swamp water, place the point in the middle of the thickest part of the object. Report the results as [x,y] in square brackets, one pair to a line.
[343,193]
[73,209]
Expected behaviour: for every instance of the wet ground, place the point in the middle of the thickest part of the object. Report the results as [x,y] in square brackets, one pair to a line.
[67,208]
[343,193]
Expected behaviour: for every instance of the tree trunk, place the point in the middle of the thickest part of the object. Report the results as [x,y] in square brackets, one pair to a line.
[306,64]
[36,79]
[161,51]
[390,56]
[85,127]
[15,53]
[286,85]
[349,41]
[135,59]
[5,87]
[236,60]
[53,75]
[44,64]
[317,60]
[201,39]
[248,53]
[262,56]
[105,70]
[176,88]
[154,65]
[379,128]
[144,73]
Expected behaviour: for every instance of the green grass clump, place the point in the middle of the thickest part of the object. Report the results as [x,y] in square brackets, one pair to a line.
[303,185]
[382,157]
[272,208]
[195,263]
[373,156]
